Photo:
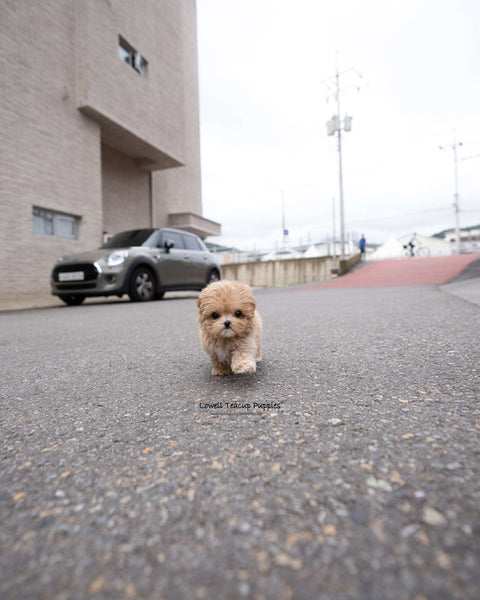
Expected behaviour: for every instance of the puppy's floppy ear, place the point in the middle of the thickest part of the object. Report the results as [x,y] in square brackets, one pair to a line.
[248,301]
[251,307]
[201,300]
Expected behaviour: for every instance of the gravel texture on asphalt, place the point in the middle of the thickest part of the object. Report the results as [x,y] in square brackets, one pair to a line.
[347,467]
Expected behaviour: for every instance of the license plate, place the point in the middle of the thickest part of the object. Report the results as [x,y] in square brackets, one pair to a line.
[71,276]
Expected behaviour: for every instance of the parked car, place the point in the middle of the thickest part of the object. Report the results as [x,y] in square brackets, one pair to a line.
[143,263]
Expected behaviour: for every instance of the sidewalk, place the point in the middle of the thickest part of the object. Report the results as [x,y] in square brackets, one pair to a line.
[390,272]
[468,289]
[458,275]
[33,302]
[29,302]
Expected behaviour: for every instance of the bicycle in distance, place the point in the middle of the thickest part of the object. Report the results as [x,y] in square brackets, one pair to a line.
[418,251]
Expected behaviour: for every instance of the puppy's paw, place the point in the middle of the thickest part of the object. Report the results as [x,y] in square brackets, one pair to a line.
[244,366]
[220,369]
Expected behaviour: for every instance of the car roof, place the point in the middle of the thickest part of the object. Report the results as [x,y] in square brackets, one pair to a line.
[153,229]
[176,230]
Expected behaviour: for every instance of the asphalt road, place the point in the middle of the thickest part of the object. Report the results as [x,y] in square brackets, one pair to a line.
[347,467]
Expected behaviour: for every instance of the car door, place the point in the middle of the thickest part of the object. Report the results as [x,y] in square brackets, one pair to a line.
[198,259]
[172,264]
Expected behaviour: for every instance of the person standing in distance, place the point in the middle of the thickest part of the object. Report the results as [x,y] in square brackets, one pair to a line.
[362,244]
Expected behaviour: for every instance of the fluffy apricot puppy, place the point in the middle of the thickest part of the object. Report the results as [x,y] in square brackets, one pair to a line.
[230,327]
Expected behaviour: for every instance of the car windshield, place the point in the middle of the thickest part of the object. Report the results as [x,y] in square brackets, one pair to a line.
[125,239]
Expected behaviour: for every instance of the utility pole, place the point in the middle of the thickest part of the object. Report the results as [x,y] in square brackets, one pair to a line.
[340,172]
[456,203]
[335,125]
[334,270]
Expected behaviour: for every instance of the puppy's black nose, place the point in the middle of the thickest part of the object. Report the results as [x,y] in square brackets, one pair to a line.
[227,324]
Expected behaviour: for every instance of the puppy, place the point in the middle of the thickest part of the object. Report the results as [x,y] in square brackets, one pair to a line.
[230,327]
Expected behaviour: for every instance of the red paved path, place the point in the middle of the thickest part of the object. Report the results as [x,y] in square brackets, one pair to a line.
[402,271]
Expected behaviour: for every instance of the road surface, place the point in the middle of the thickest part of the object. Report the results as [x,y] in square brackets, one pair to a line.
[346,467]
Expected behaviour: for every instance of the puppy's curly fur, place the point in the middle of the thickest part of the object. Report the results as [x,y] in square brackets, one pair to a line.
[230,327]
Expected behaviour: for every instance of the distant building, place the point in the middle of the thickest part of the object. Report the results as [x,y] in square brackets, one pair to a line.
[99,125]
[469,238]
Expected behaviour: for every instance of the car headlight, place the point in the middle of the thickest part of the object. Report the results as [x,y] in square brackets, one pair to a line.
[117,258]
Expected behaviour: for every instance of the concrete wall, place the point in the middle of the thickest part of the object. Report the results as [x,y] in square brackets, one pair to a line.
[347,263]
[149,107]
[182,186]
[276,273]
[126,193]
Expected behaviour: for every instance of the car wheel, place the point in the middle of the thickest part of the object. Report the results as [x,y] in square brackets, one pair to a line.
[214,275]
[72,299]
[142,285]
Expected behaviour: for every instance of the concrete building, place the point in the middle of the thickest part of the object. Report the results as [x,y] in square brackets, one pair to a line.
[469,238]
[99,125]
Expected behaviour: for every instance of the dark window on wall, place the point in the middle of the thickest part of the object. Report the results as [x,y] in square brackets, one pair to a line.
[128,54]
[47,222]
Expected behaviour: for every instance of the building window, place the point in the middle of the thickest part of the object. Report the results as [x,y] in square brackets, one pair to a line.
[129,55]
[46,222]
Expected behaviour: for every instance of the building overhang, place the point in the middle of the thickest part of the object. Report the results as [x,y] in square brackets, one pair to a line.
[147,157]
[194,224]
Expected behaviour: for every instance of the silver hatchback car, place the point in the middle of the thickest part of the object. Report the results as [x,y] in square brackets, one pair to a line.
[143,263]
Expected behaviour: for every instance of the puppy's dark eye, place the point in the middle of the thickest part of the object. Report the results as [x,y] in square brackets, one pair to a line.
[238,313]
[215,315]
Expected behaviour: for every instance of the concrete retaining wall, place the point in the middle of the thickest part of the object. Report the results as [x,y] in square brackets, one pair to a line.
[277,273]
[348,263]
[295,271]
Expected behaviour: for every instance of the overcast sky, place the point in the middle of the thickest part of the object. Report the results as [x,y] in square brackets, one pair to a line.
[263,112]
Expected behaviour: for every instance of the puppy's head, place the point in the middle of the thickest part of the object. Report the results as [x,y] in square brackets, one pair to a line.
[226,309]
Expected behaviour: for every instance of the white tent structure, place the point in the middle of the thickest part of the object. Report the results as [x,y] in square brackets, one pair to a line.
[312,252]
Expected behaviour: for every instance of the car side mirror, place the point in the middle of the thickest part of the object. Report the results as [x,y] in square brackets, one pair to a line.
[169,244]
